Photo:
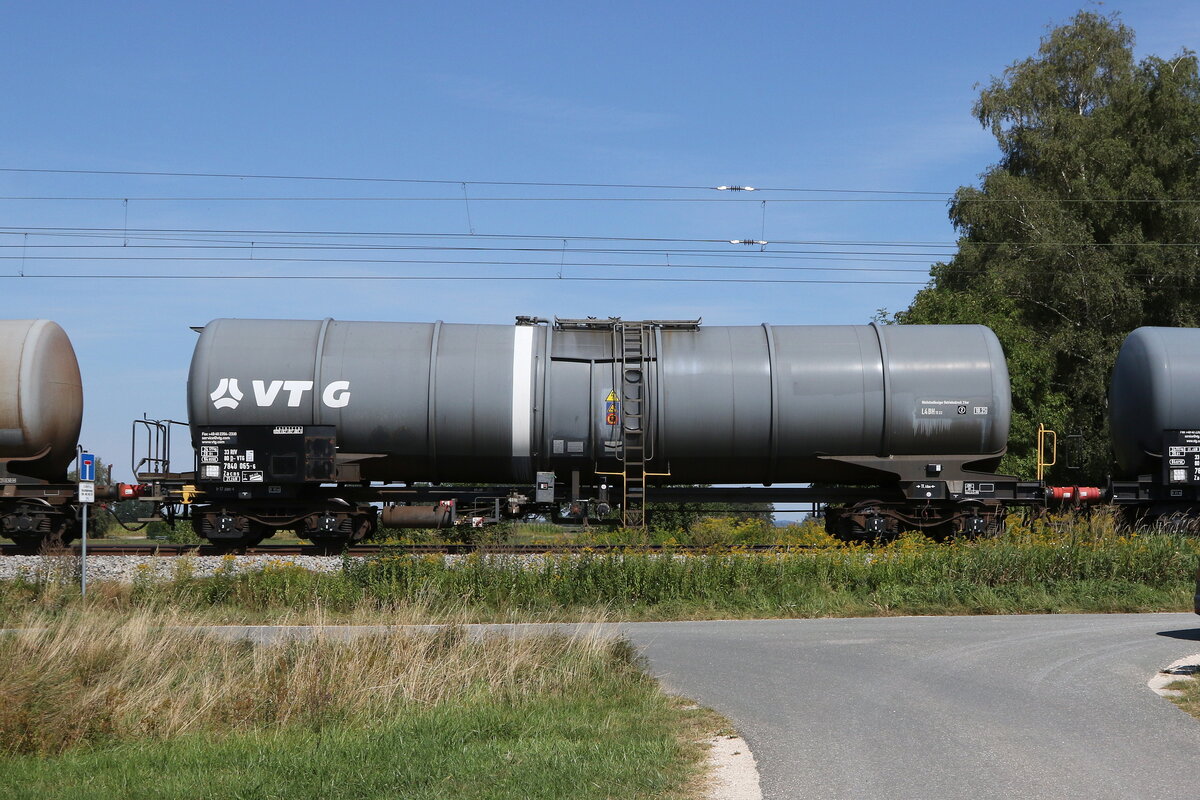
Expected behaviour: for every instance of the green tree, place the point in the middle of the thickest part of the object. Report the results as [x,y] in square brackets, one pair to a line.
[1085,229]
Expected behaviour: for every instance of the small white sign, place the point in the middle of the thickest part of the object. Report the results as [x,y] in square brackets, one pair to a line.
[87,492]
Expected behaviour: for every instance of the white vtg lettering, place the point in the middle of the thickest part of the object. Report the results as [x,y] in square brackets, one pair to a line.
[266,393]
[337,394]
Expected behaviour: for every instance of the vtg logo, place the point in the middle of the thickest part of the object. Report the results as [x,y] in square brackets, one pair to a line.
[229,395]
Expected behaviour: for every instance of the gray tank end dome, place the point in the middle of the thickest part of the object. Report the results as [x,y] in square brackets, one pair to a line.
[1155,387]
[41,398]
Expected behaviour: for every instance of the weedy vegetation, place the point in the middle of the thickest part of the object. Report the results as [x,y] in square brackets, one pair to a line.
[1188,697]
[1040,565]
[146,705]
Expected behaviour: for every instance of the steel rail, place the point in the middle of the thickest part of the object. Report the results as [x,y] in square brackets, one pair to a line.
[171,549]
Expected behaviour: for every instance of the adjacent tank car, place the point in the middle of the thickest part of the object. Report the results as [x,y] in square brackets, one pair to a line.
[1154,418]
[41,409]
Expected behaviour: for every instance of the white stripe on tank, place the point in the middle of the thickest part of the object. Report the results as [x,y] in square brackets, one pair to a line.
[522,406]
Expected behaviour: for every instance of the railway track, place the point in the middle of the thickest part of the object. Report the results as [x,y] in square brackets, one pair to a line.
[159,549]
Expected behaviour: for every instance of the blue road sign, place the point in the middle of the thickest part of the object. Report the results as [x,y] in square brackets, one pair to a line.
[87,467]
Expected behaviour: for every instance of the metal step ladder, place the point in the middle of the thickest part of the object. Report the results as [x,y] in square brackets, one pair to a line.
[634,351]
[631,336]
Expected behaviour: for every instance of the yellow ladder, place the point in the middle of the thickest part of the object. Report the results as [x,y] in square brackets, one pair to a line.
[1047,440]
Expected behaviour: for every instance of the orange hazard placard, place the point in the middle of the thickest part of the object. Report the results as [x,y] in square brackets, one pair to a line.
[612,409]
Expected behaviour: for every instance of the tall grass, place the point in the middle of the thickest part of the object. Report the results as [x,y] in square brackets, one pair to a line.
[1045,564]
[1042,565]
[98,678]
[1188,695]
[97,704]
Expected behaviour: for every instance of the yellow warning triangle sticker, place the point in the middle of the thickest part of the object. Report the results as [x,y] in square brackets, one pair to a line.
[612,397]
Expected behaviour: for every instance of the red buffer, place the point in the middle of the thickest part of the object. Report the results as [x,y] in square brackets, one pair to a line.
[130,491]
[1076,495]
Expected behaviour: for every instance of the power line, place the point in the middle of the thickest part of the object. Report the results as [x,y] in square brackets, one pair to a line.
[74,231]
[434,199]
[476,278]
[155,234]
[229,244]
[455,182]
[223,240]
[937,196]
[122,233]
[789,255]
[785,255]
[451,262]
[535,199]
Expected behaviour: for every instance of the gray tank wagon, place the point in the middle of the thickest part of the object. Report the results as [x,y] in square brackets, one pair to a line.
[1154,421]
[591,414]
[41,409]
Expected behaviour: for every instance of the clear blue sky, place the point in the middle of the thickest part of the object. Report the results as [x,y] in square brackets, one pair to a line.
[853,95]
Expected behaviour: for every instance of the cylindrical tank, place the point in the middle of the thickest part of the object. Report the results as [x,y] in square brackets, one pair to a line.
[761,404]
[41,399]
[1155,387]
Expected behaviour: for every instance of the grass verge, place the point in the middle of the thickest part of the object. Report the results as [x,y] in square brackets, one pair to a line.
[1188,698]
[1089,565]
[139,706]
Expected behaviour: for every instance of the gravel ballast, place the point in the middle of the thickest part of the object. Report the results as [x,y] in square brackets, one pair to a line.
[125,568]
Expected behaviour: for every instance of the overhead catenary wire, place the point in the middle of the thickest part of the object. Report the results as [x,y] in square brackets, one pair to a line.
[885,195]
[156,233]
[187,252]
[198,245]
[786,255]
[458,262]
[572,199]
[476,278]
[86,231]
[436,181]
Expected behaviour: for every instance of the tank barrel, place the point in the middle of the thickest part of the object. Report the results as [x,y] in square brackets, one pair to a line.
[698,404]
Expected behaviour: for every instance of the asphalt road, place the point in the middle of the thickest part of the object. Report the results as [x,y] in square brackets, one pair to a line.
[932,707]
[945,707]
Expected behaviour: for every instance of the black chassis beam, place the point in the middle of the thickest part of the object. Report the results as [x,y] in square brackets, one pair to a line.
[655,494]
[1015,494]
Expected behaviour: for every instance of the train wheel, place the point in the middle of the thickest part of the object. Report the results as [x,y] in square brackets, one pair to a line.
[229,531]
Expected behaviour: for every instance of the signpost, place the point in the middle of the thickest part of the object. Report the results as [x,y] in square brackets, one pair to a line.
[87,496]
